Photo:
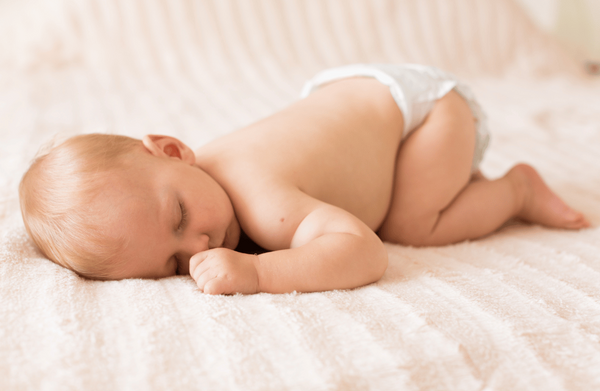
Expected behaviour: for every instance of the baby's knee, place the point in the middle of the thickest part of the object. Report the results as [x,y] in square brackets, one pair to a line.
[407,234]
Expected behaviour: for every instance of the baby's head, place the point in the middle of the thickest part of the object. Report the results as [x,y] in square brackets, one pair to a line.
[111,207]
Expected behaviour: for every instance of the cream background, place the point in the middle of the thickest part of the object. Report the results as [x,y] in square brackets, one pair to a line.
[575,22]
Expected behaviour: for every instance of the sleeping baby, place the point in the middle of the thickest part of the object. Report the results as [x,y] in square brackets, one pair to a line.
[371,153]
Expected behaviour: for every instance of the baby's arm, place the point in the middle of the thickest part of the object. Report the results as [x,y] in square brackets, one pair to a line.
[329,249]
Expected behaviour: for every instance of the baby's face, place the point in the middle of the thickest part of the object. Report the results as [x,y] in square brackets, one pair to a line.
[168,210]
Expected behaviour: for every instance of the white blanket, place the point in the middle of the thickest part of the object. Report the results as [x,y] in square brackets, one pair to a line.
[518,310]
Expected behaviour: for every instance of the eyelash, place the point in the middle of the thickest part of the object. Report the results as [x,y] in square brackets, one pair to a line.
[183,216]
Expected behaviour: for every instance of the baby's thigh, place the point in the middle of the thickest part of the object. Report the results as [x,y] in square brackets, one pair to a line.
[433,165]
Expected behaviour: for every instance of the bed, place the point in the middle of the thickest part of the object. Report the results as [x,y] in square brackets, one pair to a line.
[517,310]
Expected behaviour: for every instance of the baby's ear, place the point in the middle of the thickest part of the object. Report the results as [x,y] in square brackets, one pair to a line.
[166,146]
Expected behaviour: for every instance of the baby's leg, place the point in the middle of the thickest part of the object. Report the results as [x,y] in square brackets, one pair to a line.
[436,201]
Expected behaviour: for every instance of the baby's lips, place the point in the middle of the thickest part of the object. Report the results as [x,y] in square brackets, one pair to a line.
[183,268]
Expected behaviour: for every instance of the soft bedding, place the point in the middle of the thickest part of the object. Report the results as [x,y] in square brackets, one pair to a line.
[518,310]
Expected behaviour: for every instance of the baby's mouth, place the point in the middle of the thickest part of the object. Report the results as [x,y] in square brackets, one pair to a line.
[229,240]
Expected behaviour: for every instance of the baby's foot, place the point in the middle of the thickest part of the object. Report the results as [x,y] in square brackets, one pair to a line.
[541,205]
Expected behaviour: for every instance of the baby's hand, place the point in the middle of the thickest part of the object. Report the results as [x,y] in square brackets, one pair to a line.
[223,271]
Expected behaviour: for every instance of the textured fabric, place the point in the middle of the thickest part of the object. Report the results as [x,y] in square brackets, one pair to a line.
[415,89]
[518,310]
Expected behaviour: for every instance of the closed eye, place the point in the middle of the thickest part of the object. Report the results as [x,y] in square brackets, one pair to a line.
[184,217]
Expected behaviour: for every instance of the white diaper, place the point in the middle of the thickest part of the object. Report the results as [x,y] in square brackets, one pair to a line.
[415,88]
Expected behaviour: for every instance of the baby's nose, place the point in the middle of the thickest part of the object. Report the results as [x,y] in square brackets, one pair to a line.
[196,244]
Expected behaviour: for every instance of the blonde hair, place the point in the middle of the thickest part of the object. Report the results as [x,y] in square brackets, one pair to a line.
[56,196]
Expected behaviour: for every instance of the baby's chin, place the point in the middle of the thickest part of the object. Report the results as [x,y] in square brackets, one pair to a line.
[232,235]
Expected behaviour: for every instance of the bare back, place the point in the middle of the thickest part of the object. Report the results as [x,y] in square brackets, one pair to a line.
[343,155]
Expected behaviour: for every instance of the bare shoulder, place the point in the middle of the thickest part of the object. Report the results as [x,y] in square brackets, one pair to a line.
[269,210]
[268,206]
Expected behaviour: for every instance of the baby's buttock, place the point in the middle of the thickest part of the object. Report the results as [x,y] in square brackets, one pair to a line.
[415,90]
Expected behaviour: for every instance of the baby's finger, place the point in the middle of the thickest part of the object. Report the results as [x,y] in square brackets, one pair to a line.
[216,286]
[205,277]
[197,264]
[200,270]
